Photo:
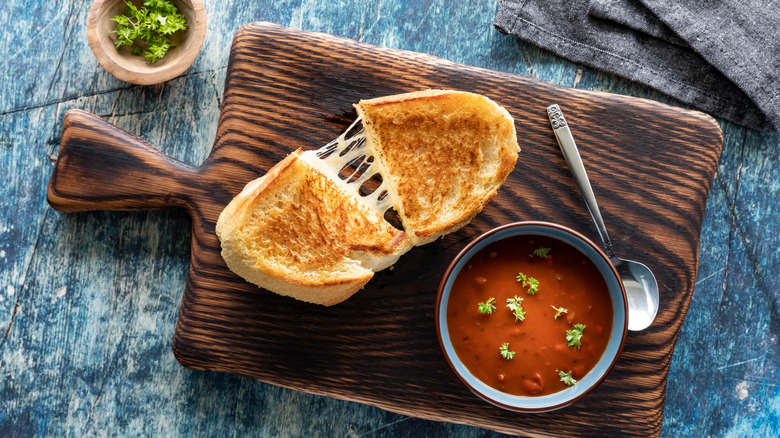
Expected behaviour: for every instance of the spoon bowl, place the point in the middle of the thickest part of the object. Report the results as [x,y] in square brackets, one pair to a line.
[638,281]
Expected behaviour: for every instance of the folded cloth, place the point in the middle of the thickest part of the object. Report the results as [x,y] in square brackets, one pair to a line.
[720,56]
[635,15]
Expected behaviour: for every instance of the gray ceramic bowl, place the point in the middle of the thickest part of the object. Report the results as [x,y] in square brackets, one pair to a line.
[587,383]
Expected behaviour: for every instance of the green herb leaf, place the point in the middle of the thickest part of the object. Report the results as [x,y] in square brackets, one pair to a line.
[153,24]
[487,307]
[505,353]
[158,47]
[173,23]
[531,283]
[516,306]
[559,310]
[541,252]
[574,336]
[567,378]
[161,5]
[132,10]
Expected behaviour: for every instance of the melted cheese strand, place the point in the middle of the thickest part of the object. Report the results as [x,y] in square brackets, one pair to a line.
[349,150]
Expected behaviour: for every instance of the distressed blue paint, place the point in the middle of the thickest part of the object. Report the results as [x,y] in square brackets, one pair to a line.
[88,302]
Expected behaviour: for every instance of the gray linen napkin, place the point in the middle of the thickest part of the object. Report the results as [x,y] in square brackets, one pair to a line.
[633,14]
[720,56]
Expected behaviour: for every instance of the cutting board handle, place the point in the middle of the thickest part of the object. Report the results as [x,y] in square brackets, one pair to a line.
[102,167]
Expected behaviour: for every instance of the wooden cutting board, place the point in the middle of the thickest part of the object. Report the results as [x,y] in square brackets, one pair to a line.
[651,167]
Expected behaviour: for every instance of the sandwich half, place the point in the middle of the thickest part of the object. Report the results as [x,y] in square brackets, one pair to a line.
[308,231]
[295,232]
[444,153]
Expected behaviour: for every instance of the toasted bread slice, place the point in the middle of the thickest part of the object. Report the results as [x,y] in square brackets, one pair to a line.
[295,232]
[305,231]
[443,153]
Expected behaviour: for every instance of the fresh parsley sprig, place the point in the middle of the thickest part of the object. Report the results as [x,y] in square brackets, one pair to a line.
[542,252]
[567,378]
[153,24]
[505,353]
[531,283]
[559,310]
[574,336]
[515,304]
[487,307]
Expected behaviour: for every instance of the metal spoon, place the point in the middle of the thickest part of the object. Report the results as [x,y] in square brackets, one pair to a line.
[638,280]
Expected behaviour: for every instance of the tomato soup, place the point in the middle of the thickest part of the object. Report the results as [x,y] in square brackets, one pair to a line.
[546,337]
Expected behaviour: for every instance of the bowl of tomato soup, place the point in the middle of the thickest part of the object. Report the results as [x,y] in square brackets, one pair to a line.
[531,316]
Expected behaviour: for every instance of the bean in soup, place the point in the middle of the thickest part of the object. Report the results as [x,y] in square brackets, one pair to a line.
[529,315]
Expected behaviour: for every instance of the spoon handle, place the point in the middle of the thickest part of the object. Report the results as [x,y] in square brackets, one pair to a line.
[572,156]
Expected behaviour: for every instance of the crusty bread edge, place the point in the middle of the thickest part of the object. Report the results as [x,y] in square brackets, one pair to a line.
[324,294]
[336,291]
[423,236]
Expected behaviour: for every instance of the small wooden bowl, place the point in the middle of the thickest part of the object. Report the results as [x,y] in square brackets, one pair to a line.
[123,64]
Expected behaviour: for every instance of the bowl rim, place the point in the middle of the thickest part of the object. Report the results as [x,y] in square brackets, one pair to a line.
[440,325]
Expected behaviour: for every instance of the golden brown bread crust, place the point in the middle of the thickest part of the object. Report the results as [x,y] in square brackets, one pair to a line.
[295,233]
[445,153]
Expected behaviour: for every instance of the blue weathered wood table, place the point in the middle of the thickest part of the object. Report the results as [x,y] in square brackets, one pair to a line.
[89,301]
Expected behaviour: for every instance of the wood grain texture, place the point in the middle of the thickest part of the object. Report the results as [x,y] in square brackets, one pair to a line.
[89,301]
[287,89]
